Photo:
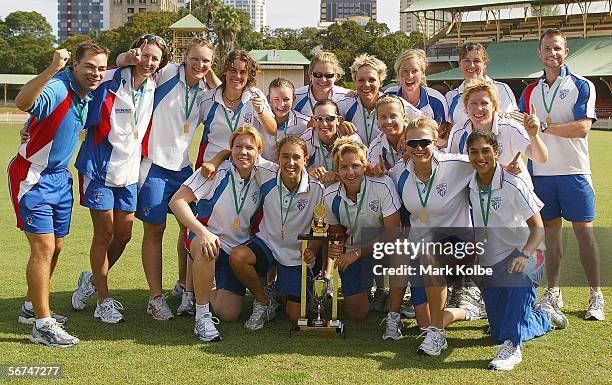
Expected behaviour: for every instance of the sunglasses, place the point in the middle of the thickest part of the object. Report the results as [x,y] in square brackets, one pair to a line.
[153,38]
[326,118]
[414,143]
[319,75]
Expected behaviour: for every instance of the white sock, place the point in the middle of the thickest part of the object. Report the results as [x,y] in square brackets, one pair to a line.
[41,321]
[201,309]
[28,305]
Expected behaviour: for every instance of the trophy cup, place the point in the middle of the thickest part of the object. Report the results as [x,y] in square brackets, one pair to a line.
[319,232]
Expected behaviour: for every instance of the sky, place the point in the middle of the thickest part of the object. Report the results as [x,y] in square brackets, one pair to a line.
[301,13]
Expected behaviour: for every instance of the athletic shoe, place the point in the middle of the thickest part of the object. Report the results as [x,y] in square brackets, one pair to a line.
[52,334]
[187,306]
[595,311]
[159,309]
[407,311]
[261,315]
[471,301]
[557,319]
[393,330]
[454,297]
[178,290]
[27,317]
[553,297]
[272,292]
[85,289]
[205,328]
[108,311]
[507,357]
[379,300]
[434,343]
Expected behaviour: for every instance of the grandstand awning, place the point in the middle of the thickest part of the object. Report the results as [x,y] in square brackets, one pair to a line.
[591,57]
[467,5]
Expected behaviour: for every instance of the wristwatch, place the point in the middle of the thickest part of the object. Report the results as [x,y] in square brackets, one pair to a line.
[543,126]
[524,254]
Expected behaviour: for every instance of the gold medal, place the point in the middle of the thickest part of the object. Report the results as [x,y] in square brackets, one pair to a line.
[237,224]
[136,135]
[186,128]
[82,135]
[424,217]
[548,120]
[282,235]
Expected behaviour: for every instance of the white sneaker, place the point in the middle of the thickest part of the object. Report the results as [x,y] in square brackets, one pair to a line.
[434,343]
[393,330]
[507,357]
[85,289]
[178,290]
[557,319]
[159,309]
[261,314]
[553,297]
[108,311]
[52,334]
[379,300]
[27,316]
[595,311]
[187,306]
[205,328]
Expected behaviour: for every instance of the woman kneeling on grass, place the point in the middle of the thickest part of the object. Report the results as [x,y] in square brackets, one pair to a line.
[218,229]
[510,292]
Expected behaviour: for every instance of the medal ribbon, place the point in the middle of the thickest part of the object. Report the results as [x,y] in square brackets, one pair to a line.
[548,108]
[188,107]
[243,196]
[280,200]
[365,122]
[236,119]
[429,185]
[136,99]
[485,214]
[353,225]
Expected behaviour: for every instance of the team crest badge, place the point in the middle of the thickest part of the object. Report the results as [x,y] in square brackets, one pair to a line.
[563,93]
[248,118]
[30,219]
[255,196]
[374,205]
[147,211]
[496,203]
[441,189]
[97,197]
[301,204]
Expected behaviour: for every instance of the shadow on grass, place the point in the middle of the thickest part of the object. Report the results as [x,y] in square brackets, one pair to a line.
[363,339]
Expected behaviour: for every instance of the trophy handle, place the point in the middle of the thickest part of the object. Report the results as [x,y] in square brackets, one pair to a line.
[303,288]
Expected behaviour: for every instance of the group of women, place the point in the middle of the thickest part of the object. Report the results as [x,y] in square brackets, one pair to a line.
[265,162]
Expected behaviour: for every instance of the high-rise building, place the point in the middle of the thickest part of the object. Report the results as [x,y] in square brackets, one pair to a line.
[410,23]
[256,9]
[341,10]
[122,11]
[80,17]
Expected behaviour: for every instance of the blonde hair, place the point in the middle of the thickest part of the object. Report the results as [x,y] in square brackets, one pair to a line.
[199,42]
[346,145]
[327,57]
[247,129]
[481,84]
[389,99]
[412,53]
[423,122]
[369,60]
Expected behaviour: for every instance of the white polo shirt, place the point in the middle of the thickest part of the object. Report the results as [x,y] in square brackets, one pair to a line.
[217,119]
[511,137]
[381,147]
[456,107]
[305,101]
[296,124]
[512,204]
[575,100]
[447,205]
[298,217]
[353,111]
[167,143]
[380,201]
[215,206]
[431,102]
[317,154]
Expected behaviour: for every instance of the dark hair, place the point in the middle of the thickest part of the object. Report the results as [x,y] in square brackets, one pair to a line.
[292,139]
[281,82]
[91,46]
[552,32]
[469,46]
[158,41]
[251,66]
[486,135]
[326,102]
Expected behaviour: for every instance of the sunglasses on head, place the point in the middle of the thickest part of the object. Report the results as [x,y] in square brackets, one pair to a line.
[414,143]
[153,38]
[326,118]
[319,75]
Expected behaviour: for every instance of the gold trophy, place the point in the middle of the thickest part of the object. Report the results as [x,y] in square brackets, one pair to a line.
[334,326]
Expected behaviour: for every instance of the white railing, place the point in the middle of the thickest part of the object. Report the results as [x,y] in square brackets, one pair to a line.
[11,117]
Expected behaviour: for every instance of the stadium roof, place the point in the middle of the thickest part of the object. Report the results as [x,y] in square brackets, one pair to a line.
[590,57]
[469,5]
[15,78]
[279,57]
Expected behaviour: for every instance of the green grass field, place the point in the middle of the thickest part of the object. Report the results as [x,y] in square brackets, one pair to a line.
[143,350]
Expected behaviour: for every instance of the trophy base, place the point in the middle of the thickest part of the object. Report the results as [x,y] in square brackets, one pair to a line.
[319,234]
[305,327]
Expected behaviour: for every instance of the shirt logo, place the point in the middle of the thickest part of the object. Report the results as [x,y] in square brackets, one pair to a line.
[255,196]
[563,93]
[441,189]
[301,204]
[97,196]
[496,203]
[146,211]
[248,118]
[123,110]
[374,205]
[30,219]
